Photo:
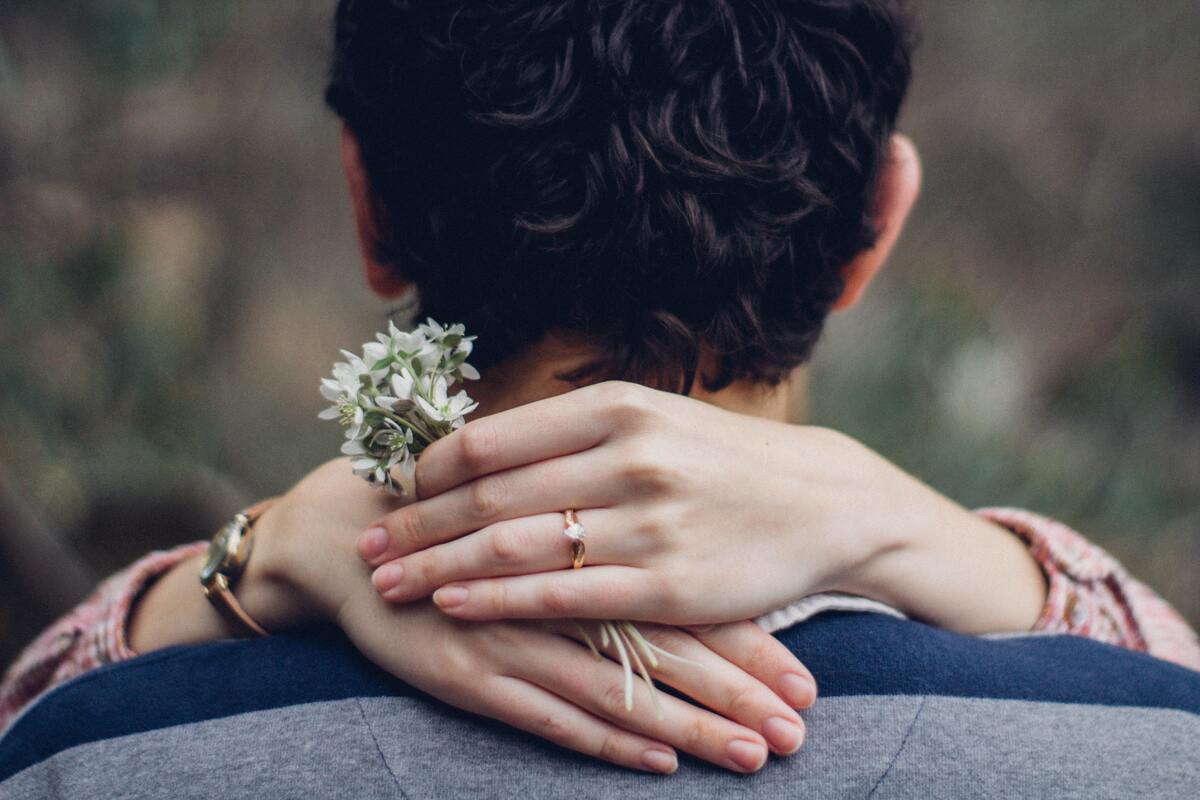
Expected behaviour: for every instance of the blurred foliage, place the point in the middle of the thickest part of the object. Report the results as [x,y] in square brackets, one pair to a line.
[177,269]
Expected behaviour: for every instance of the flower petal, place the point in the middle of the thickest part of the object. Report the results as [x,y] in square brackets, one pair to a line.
[429,410]
[375,351]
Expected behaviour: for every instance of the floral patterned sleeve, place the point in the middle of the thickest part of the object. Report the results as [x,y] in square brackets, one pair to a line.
[90,635]
[1090,594]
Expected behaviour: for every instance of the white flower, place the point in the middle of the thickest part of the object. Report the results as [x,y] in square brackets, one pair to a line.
[468,372]
[366,375]
[362,463]
[374,352]
[401,397]
[345,391]
[430,356]
[375,459]
[394,400]
[441,408]
[345,383]
[432,330]
[395,344]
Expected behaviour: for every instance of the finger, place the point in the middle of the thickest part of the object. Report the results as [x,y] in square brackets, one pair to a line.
[749,647]
[567,482]
[512,547]
[592,592]
[719,682]
[566,424]
[523,705]
[599,686]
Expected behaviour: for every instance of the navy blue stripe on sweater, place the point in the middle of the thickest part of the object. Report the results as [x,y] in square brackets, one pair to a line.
[850,655]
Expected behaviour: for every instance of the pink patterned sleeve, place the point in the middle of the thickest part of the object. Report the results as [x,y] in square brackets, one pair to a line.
[90,635]
[1090,594]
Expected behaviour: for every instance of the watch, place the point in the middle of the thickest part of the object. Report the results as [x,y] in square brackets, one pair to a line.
[226,561]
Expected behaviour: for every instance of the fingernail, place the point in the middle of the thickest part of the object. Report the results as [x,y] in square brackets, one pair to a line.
[749,756]
[388,577]
[450,596]
[784,735]
[372,543]
[798,690]
[660,761]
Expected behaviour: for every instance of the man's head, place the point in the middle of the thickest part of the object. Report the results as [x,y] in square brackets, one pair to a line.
[666,181]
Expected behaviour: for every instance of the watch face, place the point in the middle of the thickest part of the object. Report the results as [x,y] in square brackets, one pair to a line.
[218,549]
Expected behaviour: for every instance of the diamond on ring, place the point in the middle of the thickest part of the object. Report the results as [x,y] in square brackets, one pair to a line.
[574,529]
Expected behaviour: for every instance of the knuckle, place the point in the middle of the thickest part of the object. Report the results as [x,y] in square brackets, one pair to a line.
[658,522]
[739,701]
[670,639]
[421,479]
[479,445]
[612,700]
[761,658]
[503,637]
[648,465]
[625,403]
[559,599]
[499,598]
[696,734]
[487,497]
[610,747]
[576,685]
[643,467]
[407,529]
[428,570]
[457,662]
[506,545]
[651,533]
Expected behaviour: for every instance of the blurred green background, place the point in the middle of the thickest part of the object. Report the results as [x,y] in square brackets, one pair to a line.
[177,270]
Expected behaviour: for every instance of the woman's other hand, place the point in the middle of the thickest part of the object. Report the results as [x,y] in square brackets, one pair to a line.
[693,514]
[543,681]
[526,674]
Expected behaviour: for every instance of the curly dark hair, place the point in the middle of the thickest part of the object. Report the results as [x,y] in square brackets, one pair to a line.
[665,178]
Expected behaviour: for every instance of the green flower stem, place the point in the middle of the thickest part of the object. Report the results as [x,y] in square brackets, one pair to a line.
[412,426]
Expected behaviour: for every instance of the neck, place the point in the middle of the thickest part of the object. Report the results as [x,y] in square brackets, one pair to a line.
[533,375]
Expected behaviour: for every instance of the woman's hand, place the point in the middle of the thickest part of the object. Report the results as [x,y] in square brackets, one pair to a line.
[537,679]
[693,514]
[526,674]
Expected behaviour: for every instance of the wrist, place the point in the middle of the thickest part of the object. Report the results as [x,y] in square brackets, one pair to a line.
[904,549]
[948,566]
[872,513]
[272,589]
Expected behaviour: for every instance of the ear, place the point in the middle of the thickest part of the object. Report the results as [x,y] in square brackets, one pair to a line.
[895,196]
[382,278]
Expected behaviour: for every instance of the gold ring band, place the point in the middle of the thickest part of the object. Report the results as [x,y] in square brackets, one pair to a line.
[573,529]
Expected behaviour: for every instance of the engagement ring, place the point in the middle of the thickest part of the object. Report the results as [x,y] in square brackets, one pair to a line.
[575,531]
